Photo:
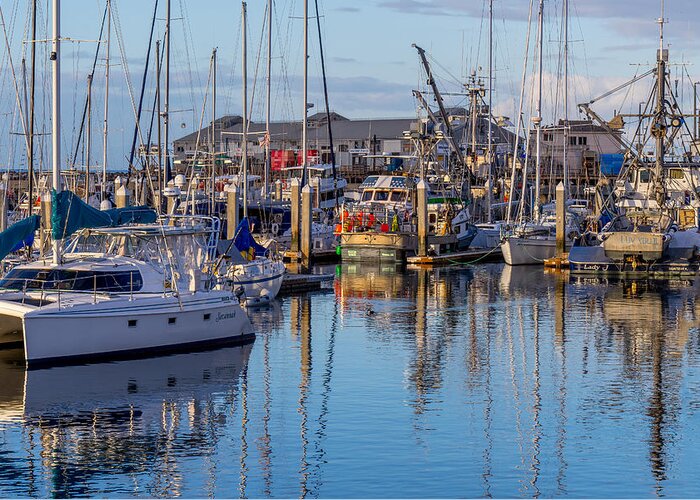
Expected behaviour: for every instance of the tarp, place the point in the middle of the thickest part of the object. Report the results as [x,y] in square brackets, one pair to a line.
[611,164]
[69,213]
[245,243]
[18,235]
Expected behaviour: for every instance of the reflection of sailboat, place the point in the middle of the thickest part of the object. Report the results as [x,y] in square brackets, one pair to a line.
[522,280]
[141,385]
[124,417]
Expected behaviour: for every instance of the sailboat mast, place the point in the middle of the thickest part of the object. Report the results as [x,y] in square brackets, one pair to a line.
[538,117]
[659,126]
[565,166]
[106,119]
[166,103]
[56,111]
[32,85]
[88,137]
[213,132]
[304,127]
[490,140]
[268,98]
[244,76]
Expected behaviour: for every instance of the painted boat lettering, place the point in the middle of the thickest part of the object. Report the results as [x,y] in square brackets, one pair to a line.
[225,316]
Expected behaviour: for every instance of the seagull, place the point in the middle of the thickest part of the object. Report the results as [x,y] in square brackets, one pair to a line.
[369,311]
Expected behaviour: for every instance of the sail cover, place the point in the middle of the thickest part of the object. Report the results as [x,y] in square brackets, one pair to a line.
[18,235]
[69,213]
[245,243]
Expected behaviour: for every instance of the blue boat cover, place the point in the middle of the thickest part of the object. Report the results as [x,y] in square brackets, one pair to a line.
[69,213]
[245,243]
[611,164]
[18,235]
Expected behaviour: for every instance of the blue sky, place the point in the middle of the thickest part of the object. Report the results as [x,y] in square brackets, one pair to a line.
[371,65]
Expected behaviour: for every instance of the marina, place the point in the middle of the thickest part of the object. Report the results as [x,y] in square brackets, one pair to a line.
[567,387]
[214,284]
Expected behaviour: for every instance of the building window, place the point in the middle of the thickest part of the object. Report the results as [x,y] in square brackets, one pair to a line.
[342,148]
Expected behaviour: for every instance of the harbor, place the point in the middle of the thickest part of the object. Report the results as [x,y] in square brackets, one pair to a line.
[498,381]
[241,256]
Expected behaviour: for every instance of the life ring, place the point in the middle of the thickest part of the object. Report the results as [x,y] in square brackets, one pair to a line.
[275,228]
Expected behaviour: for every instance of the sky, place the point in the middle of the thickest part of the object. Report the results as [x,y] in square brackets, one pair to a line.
[370,63]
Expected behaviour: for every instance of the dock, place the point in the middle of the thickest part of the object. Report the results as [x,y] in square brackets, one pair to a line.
[470,256]
[298,283]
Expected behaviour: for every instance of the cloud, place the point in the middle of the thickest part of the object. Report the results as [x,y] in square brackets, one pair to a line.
[345,60]
[347,9]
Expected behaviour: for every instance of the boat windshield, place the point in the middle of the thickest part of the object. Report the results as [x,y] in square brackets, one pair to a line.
[73,280]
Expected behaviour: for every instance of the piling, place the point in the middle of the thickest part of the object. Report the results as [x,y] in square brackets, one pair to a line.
[122,197]
[561,219]
[422,213]
[307,196]
[231,212]
[294,203]
[3,206]
[278,190]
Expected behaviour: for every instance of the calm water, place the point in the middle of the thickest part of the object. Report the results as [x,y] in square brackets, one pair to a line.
[470,381]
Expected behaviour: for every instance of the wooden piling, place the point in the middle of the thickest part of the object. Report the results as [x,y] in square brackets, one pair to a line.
[422,213]
[561,219]
[307,196]
[294,202]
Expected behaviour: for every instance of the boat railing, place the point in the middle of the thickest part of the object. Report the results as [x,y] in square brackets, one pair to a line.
[382,218]
[57,288]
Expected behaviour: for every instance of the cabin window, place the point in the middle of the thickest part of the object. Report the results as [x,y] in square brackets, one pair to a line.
[572,141]
[367,196]
[172,321]
[381,195]
[133,323]
[644,176]
[207,316]
[583,141]
[676,173]
[65,279]
[397,196]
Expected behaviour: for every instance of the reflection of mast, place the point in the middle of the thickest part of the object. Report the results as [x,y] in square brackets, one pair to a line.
[264,441]
[323,415]
[305,334]
[536,404]
[657,412]
[243,481]
[486,475]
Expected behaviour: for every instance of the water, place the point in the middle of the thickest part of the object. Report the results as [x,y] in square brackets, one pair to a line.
[471,381]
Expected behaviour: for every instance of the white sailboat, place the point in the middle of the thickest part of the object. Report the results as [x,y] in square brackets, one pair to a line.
[141,291]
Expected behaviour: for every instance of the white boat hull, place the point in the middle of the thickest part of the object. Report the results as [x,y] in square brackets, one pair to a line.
[528,251]
[261,281]
[119,326]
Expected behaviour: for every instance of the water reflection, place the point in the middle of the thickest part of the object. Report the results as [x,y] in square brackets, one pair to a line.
[132,417]
[462,381]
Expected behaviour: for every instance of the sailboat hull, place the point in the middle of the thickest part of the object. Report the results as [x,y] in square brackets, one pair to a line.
[528,251]
[120,327]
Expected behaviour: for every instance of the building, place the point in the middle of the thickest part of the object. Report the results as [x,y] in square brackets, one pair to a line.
[361,147]
[586,142]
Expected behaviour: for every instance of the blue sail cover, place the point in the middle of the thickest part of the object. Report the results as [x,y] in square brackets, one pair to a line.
[245,243]
[18,235]
[69,213]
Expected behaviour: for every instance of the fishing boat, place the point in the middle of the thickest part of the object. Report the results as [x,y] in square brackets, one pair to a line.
[648,224]
[383,225]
